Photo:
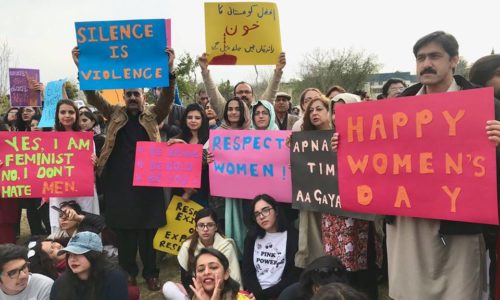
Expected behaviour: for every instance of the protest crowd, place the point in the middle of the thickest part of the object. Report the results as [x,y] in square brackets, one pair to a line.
[247,243]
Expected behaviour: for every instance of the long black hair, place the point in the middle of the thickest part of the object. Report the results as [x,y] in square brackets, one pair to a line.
[90,115]
[71,284]
[40,262]
[338,291]
[186,134]
[282,224]
[206,212]
[6,116]
[58,126]
[22,125]
[230,285]
[241,108]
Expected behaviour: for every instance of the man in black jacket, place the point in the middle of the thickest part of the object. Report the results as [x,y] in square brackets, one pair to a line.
[432,259]
[486,72]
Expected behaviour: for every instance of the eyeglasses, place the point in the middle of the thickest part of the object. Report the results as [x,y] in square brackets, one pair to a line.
[14,274]
[396,89]
[264,212]
[68,203]
[202,226]
[264,113]
[327,272]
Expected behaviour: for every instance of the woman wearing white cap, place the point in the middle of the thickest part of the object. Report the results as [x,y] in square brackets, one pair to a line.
[89,274]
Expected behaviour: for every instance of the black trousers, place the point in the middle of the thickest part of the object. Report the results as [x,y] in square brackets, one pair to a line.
[365,281]
[129,240]
[33,215]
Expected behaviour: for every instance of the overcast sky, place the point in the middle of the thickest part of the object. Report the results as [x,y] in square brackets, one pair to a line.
[41,33]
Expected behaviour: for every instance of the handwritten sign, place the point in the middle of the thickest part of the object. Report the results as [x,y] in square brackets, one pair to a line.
[22,90]
[250,162]
[180,225]
[123,54]
[314,174]
[425,156]
[46,164]
[242,33]
[54,91]
[178,165]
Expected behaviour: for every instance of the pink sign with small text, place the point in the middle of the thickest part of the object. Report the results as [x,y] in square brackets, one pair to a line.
[158,164]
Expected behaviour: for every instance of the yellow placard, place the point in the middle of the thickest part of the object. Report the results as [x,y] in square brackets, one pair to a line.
[113,97]
[180,225]
[242,33]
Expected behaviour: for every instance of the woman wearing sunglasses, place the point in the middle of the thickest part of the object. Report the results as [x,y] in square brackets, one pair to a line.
[268,259]
[206,235]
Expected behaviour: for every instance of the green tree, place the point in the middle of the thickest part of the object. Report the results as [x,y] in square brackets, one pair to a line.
[4,104]
[71,90]
[150,96]
[462,67]
[186,77]
[226,89]
[324,68]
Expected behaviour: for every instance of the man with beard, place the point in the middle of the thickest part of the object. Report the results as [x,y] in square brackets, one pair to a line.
[16,281]
[133,212]
[433,259]
[242,89]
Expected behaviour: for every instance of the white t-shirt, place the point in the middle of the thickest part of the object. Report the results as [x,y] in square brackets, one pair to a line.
[269,257]
[38,288]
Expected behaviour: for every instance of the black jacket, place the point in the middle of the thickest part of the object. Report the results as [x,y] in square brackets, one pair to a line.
[290,273]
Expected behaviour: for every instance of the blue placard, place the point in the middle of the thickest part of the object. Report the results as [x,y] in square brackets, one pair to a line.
[52,94]
[122,54]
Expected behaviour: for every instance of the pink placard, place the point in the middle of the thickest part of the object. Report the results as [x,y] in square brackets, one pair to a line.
[250,162]
[168,31]
[425,156]
[158,164]
[46,164]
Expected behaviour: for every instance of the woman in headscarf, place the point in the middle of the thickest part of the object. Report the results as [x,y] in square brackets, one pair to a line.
[263,116]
